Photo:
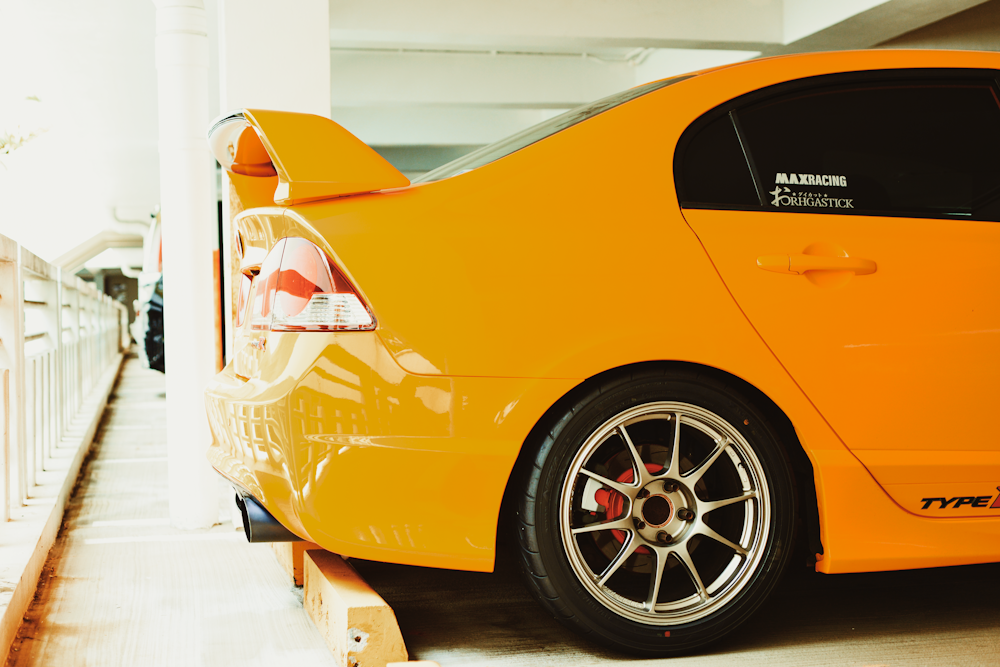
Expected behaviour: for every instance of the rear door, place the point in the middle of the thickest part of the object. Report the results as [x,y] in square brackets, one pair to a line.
[852,218]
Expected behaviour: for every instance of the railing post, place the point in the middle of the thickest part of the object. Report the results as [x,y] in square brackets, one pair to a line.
[111,328]
[8,356]
[40,333]
[5,453]
[12,358]
[77,325]
[105,328]
[99,342]
[49,291]
[49,361]
[124,335]
[83,327]
[60,361]
[30,427]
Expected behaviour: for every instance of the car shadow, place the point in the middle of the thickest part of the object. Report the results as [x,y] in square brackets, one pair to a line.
[938,616]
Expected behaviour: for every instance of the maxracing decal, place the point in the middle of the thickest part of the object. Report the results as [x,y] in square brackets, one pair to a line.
[785,196]
[960,501]
[825,180]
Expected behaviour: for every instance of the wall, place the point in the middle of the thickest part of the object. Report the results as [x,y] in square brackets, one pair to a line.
[977,28]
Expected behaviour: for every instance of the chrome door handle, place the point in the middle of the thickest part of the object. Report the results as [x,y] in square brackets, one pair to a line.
[799,264]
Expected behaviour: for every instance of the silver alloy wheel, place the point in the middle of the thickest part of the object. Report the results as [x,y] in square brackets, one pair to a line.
[664,516]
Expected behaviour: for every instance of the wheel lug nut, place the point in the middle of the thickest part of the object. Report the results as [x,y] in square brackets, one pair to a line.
[684,514]
[663,537]
[643,493]
[639,524]
[670,486]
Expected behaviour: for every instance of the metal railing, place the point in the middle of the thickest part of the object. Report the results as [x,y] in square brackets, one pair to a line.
[58,335]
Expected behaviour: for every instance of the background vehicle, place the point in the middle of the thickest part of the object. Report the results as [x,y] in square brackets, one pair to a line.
[673,328]
[147,329]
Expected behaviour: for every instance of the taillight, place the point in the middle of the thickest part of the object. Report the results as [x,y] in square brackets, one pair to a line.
[300,289]
[241,304]
[265,286]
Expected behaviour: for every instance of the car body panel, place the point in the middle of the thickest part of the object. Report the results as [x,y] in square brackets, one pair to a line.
[897,360]
[509,285]
[350,451]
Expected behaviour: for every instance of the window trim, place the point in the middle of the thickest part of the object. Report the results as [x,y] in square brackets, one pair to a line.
[758,184]
[498,150]
[732,106]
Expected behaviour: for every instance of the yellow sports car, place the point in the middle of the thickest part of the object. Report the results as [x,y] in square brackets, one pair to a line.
[680,334]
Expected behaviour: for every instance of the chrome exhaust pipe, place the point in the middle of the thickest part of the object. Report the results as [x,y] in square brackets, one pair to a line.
[259,525]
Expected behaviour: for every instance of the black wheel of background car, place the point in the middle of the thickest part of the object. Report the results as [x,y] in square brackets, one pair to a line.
[658,513]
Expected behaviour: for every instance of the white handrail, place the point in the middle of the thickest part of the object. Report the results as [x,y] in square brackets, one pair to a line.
[58,334]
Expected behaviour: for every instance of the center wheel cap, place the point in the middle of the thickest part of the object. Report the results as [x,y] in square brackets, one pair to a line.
[657,511]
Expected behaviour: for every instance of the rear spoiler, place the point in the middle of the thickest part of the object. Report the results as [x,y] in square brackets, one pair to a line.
[311,156]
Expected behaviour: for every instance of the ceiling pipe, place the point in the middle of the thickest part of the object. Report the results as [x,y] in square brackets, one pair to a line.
[129,272]
[131,224]
[139,214]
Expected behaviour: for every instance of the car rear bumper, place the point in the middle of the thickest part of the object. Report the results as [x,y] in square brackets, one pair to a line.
[347,450]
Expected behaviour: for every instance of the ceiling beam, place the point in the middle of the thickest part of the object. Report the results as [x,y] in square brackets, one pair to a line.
[674,24]
[871,27]
[436,41]
[74,260]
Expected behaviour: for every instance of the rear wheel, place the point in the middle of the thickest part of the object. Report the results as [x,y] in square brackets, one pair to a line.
[658,513]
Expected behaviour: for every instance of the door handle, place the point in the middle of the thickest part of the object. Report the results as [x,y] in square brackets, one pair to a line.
[799,264]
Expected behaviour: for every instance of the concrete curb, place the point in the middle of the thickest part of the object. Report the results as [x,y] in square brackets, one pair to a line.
[358,625]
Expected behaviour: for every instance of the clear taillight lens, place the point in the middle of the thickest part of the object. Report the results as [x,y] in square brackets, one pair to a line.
[300,289]
[265,288]
[241,304]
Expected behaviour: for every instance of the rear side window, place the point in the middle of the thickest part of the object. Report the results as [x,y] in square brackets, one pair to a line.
[911,148]
[715,169]
[877,143]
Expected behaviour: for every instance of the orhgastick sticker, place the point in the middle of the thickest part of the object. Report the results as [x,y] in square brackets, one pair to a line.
[784,196]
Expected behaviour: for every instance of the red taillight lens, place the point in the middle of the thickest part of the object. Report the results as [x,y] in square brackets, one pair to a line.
[241,303]
[304,271]
[300,289]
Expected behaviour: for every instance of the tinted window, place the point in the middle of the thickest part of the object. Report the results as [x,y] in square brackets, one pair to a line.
[535,133]
[713,168]
[917,148]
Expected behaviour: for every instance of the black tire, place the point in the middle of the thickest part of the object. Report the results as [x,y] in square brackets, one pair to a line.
[545,557]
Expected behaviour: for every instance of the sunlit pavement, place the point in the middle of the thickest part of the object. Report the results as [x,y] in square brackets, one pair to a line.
[122,587]
[946,616]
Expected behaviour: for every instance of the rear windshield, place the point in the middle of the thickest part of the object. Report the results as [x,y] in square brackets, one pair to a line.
[547,128]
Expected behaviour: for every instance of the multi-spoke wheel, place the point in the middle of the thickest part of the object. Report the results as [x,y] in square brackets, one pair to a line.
[658,514]
[656,496]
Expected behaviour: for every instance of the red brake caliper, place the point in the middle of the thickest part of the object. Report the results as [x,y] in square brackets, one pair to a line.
[615,502]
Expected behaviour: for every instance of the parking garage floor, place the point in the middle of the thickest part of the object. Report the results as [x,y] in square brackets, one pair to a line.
[939,617]
[123,588]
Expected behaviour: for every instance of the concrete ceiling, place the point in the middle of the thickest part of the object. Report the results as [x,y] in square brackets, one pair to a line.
[444,74]
[454,72]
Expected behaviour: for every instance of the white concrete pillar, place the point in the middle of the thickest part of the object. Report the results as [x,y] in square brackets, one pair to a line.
[275,55]
[187,204]
[272,55]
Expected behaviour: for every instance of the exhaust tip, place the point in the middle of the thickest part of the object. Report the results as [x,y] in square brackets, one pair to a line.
[259,525]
